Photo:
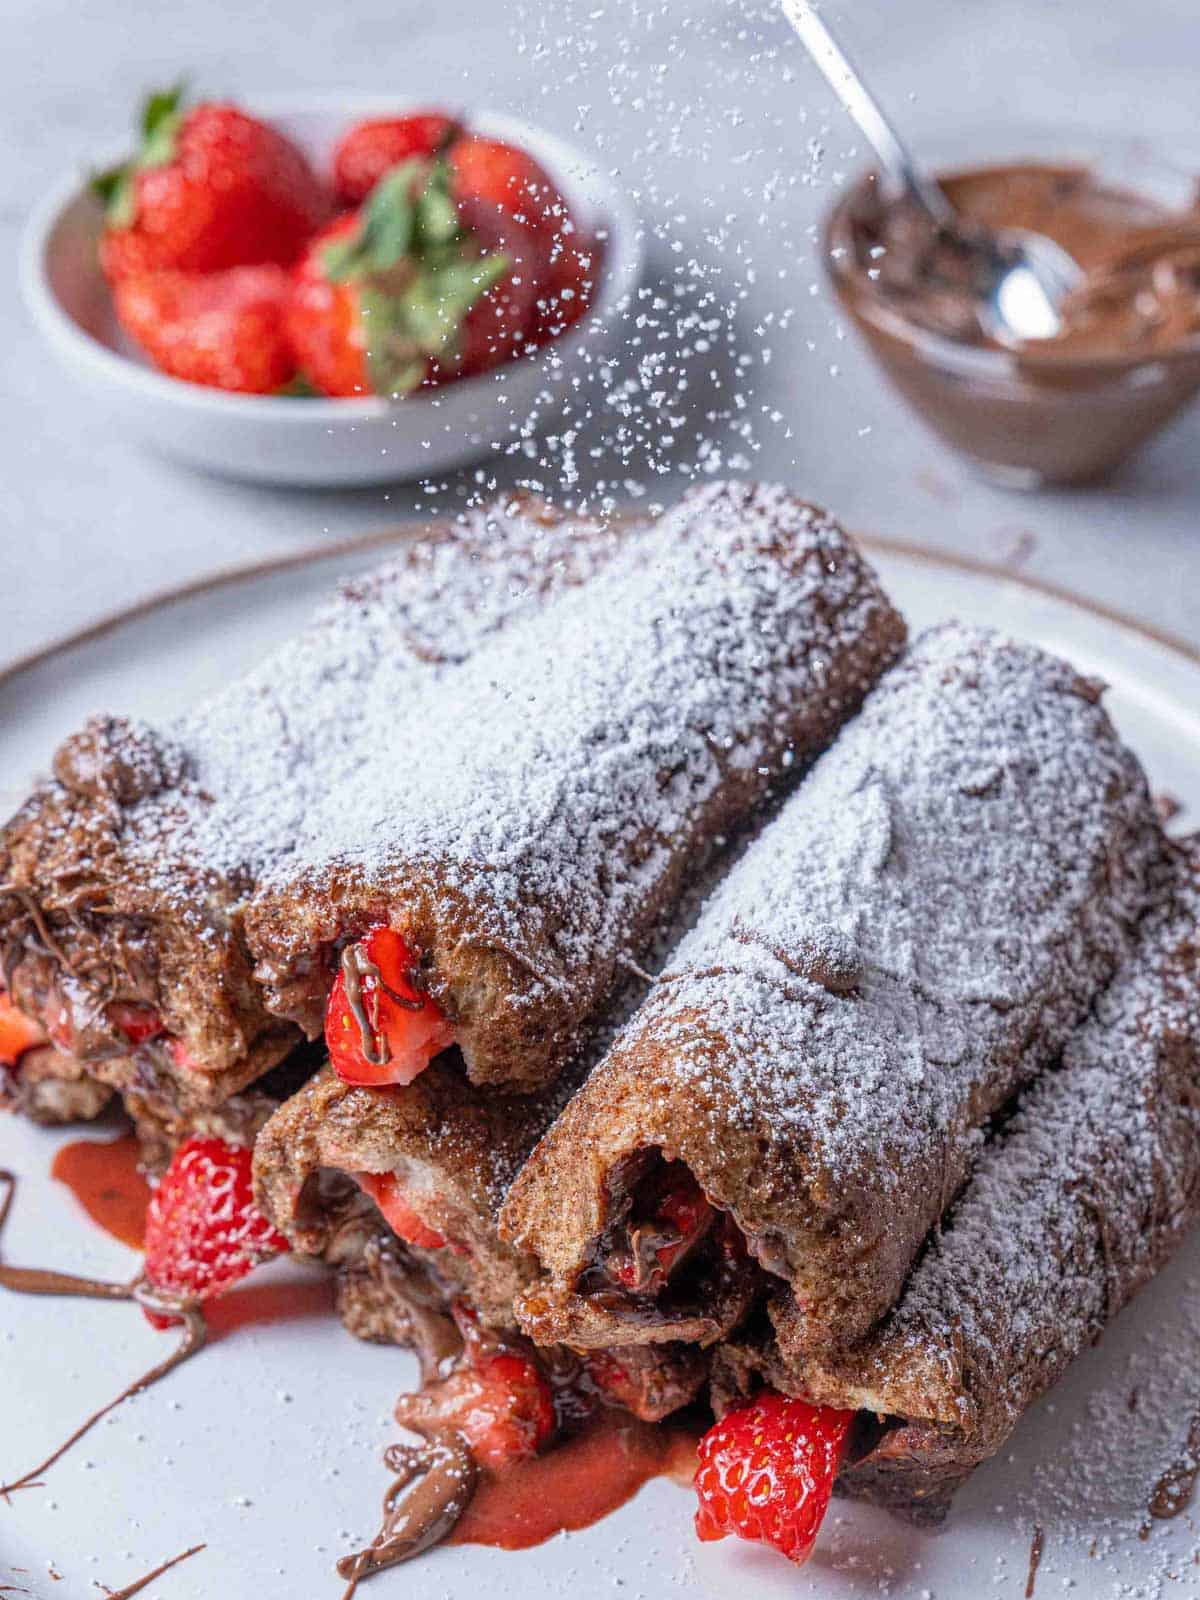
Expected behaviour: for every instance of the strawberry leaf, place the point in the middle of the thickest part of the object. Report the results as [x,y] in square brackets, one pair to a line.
[395,362]
[162,113]
[159,106]
[439,299]
[436,216]
[416,280]
[404,331]
[386,233]
[298,388]
[104,185]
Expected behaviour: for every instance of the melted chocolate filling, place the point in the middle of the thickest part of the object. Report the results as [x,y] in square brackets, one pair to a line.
[656,1271]
[433,1487]
[356,965]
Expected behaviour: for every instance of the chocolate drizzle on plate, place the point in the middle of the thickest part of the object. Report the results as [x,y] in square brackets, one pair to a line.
[36,1280]
[131,1589]
[1174,1490]
[433,1487]
[1035,1558]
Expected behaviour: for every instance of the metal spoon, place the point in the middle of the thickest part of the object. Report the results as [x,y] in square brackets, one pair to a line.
[1022,277]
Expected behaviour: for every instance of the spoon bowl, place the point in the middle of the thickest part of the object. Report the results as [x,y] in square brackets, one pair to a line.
[1029,278]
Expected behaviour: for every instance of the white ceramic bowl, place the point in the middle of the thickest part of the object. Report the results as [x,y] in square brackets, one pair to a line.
[283,440]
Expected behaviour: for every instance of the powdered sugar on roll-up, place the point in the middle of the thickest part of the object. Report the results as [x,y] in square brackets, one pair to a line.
[912,939]
[563,781]
[133,864]
[1074,1204]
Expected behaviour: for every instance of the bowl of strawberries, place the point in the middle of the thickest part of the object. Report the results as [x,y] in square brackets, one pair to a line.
[326,293]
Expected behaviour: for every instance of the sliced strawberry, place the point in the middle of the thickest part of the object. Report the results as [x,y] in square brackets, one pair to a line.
[766,1472]
[371,149]
[181,1055]
[204,1232]
[17,1032]
[497,1397]
[58,1022]
[379,1027]
[384,1188]
[137,1022]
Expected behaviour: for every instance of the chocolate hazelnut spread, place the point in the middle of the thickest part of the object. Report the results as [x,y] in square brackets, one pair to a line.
[433,1487]
[1141,262]
[1061,409]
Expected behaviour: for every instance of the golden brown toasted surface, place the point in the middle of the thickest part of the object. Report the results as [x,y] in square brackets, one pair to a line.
[911,940]
[1077,1200]
[540,818]
[124,877]
[453,1150]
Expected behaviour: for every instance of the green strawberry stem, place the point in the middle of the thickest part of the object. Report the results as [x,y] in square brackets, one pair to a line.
[162,113]
[415,279]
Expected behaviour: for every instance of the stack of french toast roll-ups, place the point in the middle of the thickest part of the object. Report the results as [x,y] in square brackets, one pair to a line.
[626,938]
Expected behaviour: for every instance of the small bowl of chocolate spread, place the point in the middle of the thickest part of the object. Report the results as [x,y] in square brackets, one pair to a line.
[1126,359]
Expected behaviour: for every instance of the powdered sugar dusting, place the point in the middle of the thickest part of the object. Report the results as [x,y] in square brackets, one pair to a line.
[554,777]
[968,857]
[908,942]
[262,755]
[1086,1191]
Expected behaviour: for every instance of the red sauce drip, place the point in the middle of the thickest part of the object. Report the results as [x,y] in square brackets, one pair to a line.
[576,1484]
[258,1304]
[103,1176]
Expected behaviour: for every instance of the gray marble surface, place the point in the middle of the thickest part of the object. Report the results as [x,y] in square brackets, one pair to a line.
[714,119]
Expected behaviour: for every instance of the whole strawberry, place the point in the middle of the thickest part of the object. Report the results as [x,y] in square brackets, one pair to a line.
[204,1232]
[223,329]
[571,281]
[415,288]
[210,188]
[504,176]
[766,1472]
[371,149]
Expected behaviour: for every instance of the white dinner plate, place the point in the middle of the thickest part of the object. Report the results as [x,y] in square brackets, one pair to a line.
[266,1448]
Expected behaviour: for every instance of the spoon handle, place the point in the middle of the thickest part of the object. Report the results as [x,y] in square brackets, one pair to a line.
[844,80]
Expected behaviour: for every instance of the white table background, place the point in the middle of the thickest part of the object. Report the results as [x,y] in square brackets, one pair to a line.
[707,108]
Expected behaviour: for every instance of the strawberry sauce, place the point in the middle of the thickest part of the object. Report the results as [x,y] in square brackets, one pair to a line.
[576,1484]
[103,1176]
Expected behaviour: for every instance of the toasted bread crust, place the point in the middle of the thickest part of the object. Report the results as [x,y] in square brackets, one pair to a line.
[570,779]
[454,1148]
[990,844]
[1075,1204]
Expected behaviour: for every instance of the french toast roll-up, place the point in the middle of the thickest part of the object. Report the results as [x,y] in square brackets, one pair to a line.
[1076,1201]
[910,940]
[124,877]
[398,1189]
[481,876]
